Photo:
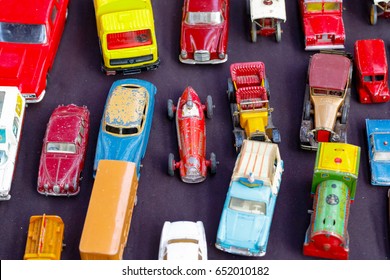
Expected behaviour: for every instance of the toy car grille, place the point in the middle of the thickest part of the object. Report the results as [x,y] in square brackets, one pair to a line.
[201,56]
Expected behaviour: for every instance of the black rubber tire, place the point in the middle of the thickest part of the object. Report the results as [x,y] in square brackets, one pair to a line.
[213,163]
[171,164]
[209,107]
[171,114]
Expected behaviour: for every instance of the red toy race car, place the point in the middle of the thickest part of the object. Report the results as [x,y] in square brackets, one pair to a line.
[191,134]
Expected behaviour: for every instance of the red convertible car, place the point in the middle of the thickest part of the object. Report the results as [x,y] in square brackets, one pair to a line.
[63,151]
[323,24]
[30,32]
[204,31]
[191,134]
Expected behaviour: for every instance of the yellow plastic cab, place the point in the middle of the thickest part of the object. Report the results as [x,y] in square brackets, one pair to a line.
[126,36]
[110,209]
[44,238]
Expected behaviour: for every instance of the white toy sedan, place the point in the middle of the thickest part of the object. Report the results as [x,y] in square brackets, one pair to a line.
[183,241]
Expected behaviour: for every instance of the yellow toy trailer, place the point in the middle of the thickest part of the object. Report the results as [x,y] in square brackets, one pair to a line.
[44,238]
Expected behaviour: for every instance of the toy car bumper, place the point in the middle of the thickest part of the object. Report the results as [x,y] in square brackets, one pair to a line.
[130,70]
[211,61]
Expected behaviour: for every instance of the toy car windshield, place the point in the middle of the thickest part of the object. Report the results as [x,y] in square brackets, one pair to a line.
[22,33]
[53,147]
[204,18]
[247,206]
[322,7]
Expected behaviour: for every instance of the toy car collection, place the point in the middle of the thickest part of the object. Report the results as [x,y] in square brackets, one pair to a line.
[371,71]
[327,100]
[266,17]
[63,151]
[183,240]
[191,136]
[323,24]
[378,140]
[379,8]
[29,42]
[127,36]
[247,214]
[204,32]
[110,210]
[334,186]
[126,123]
[12,111]
[44,238]
[248,93]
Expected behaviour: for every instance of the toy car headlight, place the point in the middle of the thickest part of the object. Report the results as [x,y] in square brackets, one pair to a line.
[221,55]
[56,189]
[335,138]
[183,54]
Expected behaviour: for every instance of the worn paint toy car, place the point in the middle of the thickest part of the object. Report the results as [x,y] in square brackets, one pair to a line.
[44,238]
[63,151]
[379,8]
[191,136]
[110,210]
[371,71]
[30,32]
[248,93]
[378,140]
[204,32]
[12,111]
[323,25]
[183,240]
[266,17]
[126,123]
[127,36]
[247,214]
[334,188]
[327,100]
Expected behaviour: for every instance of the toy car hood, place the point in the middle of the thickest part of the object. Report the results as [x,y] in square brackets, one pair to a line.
[323,24]
[211,37]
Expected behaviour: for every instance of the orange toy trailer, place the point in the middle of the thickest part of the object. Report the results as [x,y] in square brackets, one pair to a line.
[44,238]
[110,209]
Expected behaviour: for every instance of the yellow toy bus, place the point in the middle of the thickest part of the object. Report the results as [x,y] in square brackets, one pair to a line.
[126,36]
[44,238]
[110,209]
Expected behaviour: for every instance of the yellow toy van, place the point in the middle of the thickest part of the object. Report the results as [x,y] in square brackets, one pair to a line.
[126,36]
[110,209]
[44,238]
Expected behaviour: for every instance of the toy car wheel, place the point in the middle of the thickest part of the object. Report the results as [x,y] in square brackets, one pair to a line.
[306,112]
[344,115]
[170,109]
[213,163]
[373,14]
[248,7]
[235,115]
[230,91]
[254,32]
[171,164]
[209,107]
[278,32]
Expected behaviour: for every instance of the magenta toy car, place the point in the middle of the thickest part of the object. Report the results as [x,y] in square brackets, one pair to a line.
[372,71]
[30,32]
[63,151]
[204,31]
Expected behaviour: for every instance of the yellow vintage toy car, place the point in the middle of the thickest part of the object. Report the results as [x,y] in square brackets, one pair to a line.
[126,36]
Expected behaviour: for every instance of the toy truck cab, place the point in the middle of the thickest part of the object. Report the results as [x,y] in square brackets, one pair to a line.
[248,93]
[247,214]
[12,106]
[327,100]
[371,71]
[126,35]
[334,187]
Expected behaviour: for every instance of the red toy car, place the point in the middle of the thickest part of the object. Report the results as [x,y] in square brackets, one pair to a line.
[372,71]
[63,151]
[323,24]
[191,134]
[30,32]
[204,31]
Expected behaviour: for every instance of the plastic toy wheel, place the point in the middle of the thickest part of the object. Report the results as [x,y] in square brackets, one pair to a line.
[373,14]
[254,32]
[230,91]
[170,109]
[306,112]
[248,7]
[278,32]
[213,163]
[171,164]
[235,115]
[209,107]
[344,115]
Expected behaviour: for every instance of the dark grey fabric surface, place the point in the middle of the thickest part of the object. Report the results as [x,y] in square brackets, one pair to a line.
[76,78]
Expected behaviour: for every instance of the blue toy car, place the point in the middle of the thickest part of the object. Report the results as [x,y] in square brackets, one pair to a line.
[127,119]
[246,218]
[378,139]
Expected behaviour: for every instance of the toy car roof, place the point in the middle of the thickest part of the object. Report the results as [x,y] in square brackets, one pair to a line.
[11,11]
[204,6]
[8,100]
[370,56]
[260,9]
[126,105]
[64,128]
[329,71]
[374,126]
[380,129]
